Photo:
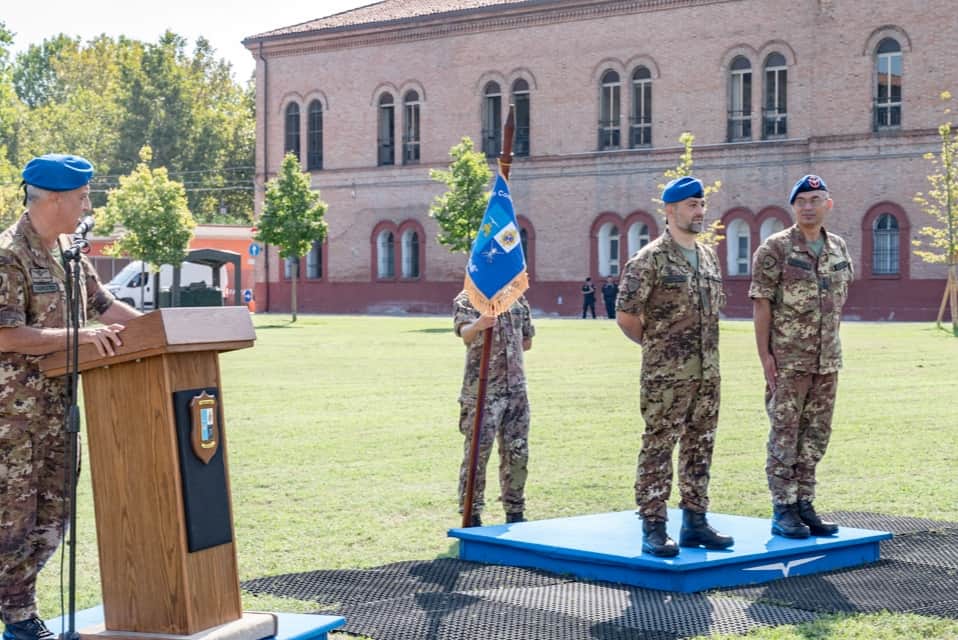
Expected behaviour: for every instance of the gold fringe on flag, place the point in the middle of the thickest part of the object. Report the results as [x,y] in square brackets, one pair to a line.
[499,302]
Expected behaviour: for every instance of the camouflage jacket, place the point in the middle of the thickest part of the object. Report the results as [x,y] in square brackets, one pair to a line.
[681,308]
[33,294]
[807,293]
[506,370]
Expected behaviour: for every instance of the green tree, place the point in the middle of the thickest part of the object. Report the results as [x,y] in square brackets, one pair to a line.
[459,210]
[10,194]
[36,78]
[292,216]
[713,234]
[154,215]
[938,242]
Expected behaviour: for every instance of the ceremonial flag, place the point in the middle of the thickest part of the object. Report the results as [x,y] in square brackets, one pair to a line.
[496,272]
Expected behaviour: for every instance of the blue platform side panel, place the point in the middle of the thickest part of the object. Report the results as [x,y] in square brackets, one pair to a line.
[607,547]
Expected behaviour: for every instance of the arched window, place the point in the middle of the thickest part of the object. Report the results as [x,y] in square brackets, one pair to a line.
[314,136]
[386,255]
[885,245]
[609,114]
[638,236]
[608,250]
[520,98]
[769,226]
[410,254]
[292,129]
[888,76]
[740,100]
[492,120]
[775,111]
[314,262]
[387,130]
[738,240]
[410,129]
[640,128]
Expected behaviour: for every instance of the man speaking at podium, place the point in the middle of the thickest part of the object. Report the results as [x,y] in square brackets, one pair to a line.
[33,321]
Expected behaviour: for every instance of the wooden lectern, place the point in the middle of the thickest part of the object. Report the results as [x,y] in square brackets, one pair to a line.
[151,579]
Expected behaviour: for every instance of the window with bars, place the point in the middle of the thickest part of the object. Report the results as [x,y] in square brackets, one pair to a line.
[888,72]
[609,111]
[410,254]
[410,134]
[492,120]
[740,100]
[640,122]
[314,136]
[520,98]
[386,255]
[314,262]
[885,245]
[292,129]
[775,110]
[386,137]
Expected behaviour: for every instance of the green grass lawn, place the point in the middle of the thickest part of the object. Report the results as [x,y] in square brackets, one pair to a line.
[344,447]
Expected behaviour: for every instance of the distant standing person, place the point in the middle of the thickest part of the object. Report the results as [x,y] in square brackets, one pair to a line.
[800,279]
[669,300]
[588,297]
[609,292]
[505,416]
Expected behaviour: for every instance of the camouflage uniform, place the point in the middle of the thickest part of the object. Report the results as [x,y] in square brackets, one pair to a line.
[680,370]
[807,293]
[32,437]
[505,416]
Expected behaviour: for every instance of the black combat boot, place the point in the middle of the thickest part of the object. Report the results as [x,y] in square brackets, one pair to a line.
[512,518]
[696,532]
[816,525]
[656,541]
[32,629]
[787,523]
[475,521]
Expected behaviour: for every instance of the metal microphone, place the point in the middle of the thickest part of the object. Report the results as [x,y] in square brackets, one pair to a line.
[84,226]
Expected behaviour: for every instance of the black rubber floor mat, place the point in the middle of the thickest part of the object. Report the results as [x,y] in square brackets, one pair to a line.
[894,524]
[887,585]
[355,586]
[679,614]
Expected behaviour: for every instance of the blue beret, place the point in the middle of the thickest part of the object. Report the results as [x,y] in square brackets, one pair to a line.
[807,183]
[682,188]
[58,172]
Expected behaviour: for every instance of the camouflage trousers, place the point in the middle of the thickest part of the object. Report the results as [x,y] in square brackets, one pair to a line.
[505,419]
[684,411]
[32,507]
[800,412]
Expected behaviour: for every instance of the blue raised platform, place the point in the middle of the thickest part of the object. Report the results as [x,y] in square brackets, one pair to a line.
[290,626]
[608,547]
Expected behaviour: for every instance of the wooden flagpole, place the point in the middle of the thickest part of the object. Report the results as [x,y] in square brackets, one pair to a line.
[505,164]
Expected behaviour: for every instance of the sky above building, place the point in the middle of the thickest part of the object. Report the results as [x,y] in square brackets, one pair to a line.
[223,22]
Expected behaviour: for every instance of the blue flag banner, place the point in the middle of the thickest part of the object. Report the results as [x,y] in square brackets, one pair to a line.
[496,272]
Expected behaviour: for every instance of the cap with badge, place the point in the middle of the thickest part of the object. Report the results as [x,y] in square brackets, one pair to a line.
[682,188]
[58,172]
[807,183]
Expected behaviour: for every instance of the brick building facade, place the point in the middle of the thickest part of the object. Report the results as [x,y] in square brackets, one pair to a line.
[372,98]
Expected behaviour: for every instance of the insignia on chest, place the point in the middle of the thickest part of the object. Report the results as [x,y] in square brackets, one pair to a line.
[674,277]
[801,264]
[40,276]
[44,287]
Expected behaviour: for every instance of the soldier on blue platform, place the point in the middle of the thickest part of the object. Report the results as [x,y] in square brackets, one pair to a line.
[32,324]
[505,415]
[669,299]
[800,279]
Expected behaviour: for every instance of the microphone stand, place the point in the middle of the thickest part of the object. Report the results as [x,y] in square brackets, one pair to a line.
[71,265]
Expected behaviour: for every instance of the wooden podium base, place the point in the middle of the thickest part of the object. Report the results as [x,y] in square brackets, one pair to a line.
[252,626]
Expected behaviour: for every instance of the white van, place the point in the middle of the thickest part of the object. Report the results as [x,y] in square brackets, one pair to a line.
[131,286]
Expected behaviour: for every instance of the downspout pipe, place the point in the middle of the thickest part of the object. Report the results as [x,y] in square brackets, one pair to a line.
[265,154]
